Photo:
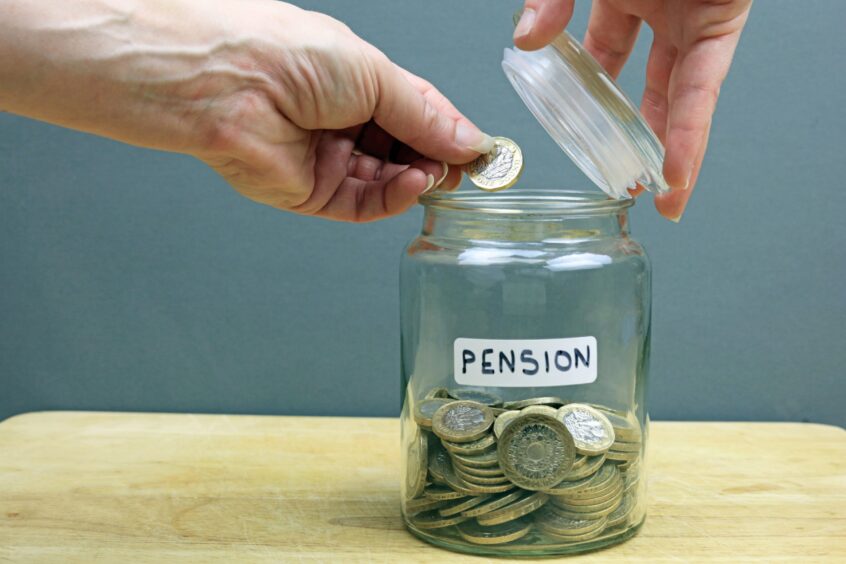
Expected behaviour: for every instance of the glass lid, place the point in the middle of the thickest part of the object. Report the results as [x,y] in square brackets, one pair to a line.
[587,114]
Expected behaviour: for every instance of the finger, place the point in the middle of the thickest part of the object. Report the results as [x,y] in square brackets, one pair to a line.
[693,91]
[610,36]
[433,95]
[672,204]
[377,142]
[540,22]
[407,115]
[659,67]
[359,201]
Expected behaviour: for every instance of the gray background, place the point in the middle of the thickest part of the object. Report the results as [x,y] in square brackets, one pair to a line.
[136,280]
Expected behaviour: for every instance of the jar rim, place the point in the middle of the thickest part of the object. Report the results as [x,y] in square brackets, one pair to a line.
[527,202]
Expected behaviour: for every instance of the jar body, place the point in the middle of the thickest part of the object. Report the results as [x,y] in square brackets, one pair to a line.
[519,324]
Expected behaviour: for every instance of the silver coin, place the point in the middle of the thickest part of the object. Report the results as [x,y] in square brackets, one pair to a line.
[462,421]
[536,451]
[479,396]
[591,430]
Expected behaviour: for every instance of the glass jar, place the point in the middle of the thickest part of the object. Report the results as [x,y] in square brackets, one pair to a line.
[525,346]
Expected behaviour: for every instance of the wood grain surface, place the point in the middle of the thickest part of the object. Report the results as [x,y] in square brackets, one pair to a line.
[118,487]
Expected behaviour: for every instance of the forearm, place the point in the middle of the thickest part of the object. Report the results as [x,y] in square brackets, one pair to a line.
[118,68]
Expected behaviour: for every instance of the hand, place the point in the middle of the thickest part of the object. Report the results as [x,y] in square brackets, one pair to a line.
[289,106]
[694,41]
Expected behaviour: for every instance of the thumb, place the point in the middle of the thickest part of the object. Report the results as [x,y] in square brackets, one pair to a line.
[406,114]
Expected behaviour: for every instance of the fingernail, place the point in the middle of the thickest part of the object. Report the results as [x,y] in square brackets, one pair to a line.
[443,175]
[677,218]
[524,26]
[430,183]
[470,137]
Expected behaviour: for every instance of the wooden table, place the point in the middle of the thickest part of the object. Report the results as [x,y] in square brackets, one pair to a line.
[119,487]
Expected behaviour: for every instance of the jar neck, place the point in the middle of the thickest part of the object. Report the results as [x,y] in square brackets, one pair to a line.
[564,228]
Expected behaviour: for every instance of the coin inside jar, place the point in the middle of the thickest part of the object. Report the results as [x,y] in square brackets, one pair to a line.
[479,396]
[462,421]
[592,432]
[426,409]
[536,451]
[472,531]
[417,464]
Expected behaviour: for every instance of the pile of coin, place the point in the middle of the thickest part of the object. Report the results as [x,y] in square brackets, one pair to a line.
[539,469]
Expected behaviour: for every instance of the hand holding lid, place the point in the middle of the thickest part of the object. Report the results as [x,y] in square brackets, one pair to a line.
[693,45]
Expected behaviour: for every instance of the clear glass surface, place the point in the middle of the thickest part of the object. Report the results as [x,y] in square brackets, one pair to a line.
[524,265]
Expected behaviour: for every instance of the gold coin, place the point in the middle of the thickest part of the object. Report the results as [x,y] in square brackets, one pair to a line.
[577,538]
[437,393]
[621,514]
[592,431]
[479,396]
[433,520]
[542,409]
[597,497]
[590,467]
[417,463]
[492,472]
[486,460]
[547,519]
[479,489]
[480,480]
[552,401]
[461,505]
[604,508]
[425,409]
[565,487]
[498,169]
[502,421]
[473,448]
[498,534]
[438,464]
[607,477]
[500,500]
[620,446]
[622,456]
[421,504]
[442,493]
[626,426]
[462,421]
[518,509]
[536,451]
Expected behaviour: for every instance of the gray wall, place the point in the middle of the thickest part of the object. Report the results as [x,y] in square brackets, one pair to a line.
[134,280]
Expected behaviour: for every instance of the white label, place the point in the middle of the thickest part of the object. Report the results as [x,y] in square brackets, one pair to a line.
[524,363]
